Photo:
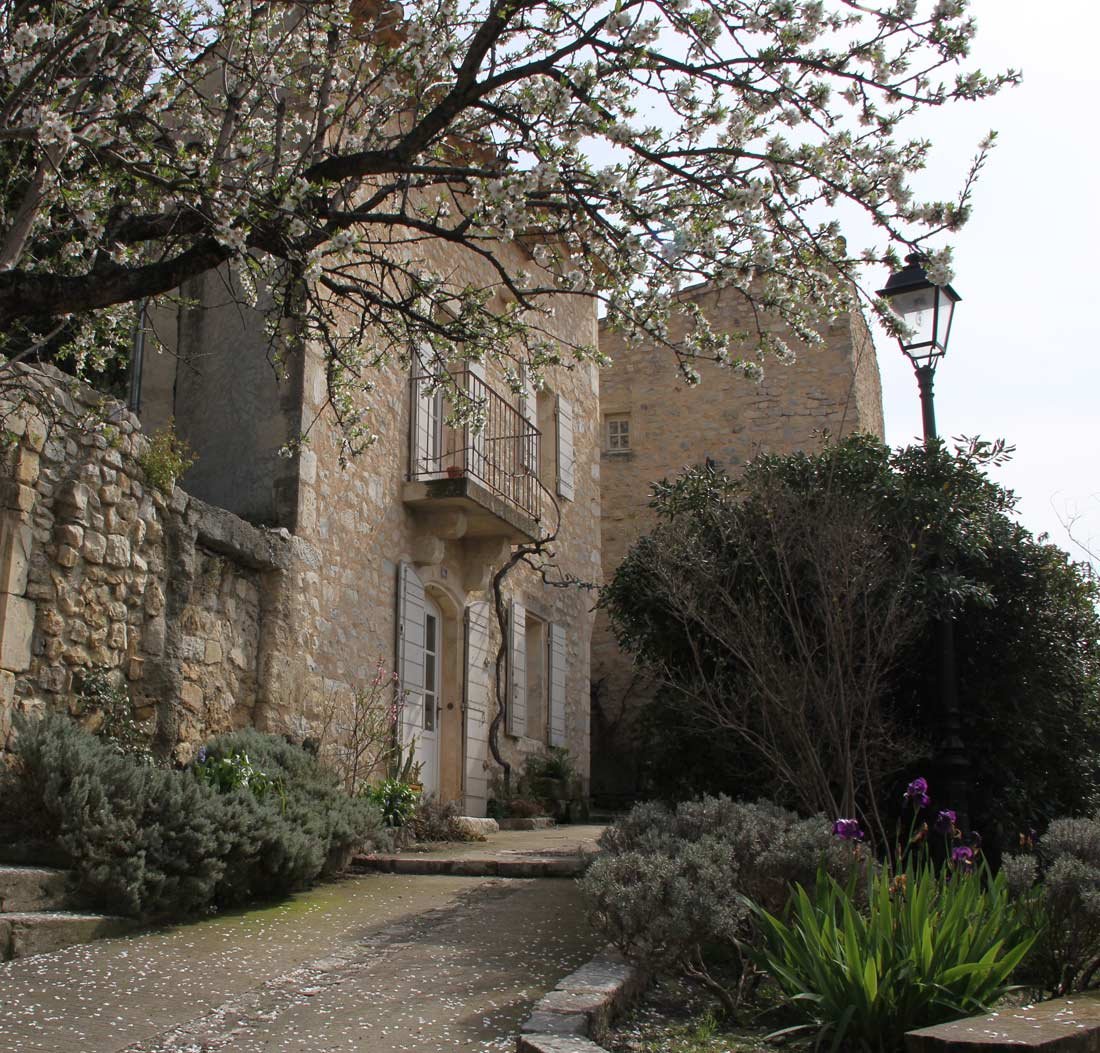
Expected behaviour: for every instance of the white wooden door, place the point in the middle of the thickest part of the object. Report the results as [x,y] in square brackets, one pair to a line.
[427,748]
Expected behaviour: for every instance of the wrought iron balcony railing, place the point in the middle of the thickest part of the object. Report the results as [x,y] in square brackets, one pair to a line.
[502,454]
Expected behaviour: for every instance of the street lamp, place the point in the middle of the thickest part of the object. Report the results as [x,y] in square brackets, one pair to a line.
[927,310]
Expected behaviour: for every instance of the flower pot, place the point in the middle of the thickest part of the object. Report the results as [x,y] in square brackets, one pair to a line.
[455,472]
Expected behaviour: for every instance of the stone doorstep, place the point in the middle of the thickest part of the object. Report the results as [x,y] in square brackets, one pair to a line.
[24,889]
[537,867]
[1064,1025]
[538,822]
[577,1013]
[23,934]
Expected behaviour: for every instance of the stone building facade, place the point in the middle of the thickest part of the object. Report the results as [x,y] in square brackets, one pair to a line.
[653,426]
[267,589]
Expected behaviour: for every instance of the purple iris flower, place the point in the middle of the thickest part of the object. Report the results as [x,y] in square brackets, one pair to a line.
[848,830]
[917,792]
[202,755]
[945,821]
[963,857]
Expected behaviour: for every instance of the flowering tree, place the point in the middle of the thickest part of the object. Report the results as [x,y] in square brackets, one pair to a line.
[315,148]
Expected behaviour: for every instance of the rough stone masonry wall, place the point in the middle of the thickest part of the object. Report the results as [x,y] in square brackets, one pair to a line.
[98,568]
[355,516]
[832,389]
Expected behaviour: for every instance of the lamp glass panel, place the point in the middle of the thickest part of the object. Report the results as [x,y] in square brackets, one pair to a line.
[917,310]
[943,327]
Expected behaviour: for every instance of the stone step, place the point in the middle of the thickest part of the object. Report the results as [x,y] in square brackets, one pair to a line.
[39,932]
[1064,1025]
[538,822]
[475,866]
[24,889]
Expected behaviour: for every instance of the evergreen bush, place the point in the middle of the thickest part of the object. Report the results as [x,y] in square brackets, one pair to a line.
[1057,879]
[150,842]
[672,888]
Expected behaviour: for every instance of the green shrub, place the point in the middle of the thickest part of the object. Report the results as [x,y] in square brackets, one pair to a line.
[932,946]
[105,700]
[143,841]
[435,820]
[1059,886]
[397,801]
[311,802]
[236,772]
[150,842]
[166,458]
[671,888]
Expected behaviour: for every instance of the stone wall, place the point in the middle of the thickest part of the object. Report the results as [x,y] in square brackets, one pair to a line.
[832,389]
[356,517]
[100,569]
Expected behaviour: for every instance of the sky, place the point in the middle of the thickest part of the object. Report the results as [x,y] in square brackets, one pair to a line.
[1023,362]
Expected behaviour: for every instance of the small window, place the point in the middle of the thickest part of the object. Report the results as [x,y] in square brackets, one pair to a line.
[618,434]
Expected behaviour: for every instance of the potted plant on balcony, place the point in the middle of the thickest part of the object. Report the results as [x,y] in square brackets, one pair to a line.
[455,471]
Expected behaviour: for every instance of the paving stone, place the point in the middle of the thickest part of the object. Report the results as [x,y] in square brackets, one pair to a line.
[556,1044]
[31,888]
[1064,1025]
[547,1022]
[24,934]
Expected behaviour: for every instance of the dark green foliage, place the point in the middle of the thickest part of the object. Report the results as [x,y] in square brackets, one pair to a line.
[1026,624]
[150,842]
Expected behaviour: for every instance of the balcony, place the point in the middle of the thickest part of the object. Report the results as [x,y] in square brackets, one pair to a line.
[488,474]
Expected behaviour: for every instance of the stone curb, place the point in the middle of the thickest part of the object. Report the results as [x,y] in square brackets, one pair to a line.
[575,1016]
[547,867]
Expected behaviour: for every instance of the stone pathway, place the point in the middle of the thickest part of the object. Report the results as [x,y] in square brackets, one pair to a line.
[377,963]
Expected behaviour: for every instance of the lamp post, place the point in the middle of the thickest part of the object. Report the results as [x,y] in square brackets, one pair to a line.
[927,310]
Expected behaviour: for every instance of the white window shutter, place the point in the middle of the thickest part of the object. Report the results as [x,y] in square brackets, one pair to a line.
[475,441]
[517,670]
[565,448]
[529,408]
[426,435]
[478,700]
[410,649]
[558,665]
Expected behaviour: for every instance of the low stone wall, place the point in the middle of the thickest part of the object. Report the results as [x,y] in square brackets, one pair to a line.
[100,569]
